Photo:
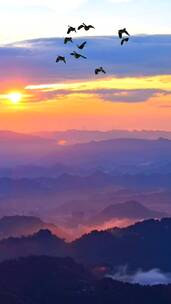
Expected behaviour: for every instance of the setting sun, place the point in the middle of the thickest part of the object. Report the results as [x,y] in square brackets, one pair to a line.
[15,98]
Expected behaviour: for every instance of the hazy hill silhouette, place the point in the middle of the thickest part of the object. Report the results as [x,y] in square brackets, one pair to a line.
[34,171]
[25,148]
[17,226]
[74,183]
[127,210]
[35,156]
[112,153]
[71,137]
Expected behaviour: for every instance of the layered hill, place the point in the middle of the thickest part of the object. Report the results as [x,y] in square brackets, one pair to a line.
[144,245]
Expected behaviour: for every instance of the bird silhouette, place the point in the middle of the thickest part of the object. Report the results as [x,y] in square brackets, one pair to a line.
[86,27]
[82,45]
[81,26]
[124,40]
[71,29]
[100,70]
[77,55]
[123,31]
[60,58]
[68,39]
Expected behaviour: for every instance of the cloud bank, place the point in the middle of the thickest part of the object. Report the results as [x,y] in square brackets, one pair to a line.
[151,277]
[143,56]
[32,65]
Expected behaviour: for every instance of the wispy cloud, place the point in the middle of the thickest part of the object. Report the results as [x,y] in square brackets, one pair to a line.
[160,82]
[110,89]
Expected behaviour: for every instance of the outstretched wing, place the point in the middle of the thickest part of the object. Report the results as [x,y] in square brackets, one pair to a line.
[126,32]
[69,30]
[83,56]
[91,26]
[96,71]
[82,45]
[122,41]
[80,27]
[104,72]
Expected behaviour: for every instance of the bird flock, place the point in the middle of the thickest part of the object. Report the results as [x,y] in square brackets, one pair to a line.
[123,34]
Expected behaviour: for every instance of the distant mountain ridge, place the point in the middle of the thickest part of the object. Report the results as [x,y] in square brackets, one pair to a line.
[70,137]
[112,153]
[22,137]
[34,155]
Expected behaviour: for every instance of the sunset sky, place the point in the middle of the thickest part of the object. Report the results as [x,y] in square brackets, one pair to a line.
[37,94]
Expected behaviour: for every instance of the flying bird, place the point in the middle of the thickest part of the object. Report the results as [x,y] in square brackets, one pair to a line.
[82,45]
[80,27]
[77,55]
[86,27]
[122,32]
[60,58]
[71,29]
[124,40]
[100,70]
[68,39]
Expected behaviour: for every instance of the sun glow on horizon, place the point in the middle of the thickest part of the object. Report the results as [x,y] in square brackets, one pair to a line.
[15,97]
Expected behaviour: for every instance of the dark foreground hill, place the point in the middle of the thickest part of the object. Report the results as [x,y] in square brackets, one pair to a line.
[41,243]
[145,245]
[45,280]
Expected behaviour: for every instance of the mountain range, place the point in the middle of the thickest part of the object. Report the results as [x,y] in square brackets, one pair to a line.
[143,245]
[71,137]
[117,152]
[112,155]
